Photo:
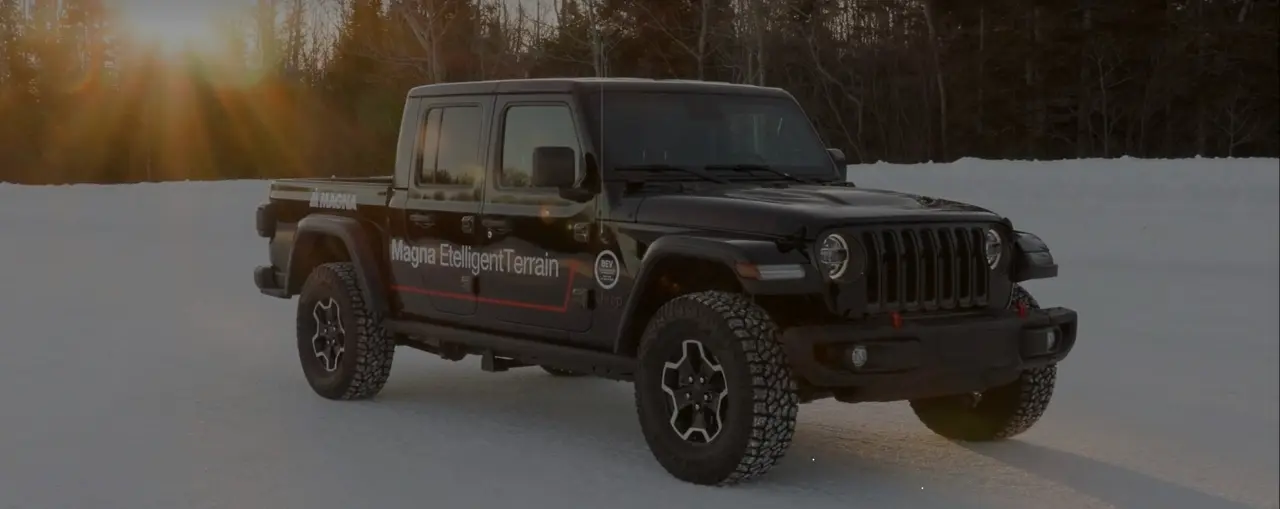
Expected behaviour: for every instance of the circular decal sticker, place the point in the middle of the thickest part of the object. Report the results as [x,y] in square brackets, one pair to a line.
[607,269]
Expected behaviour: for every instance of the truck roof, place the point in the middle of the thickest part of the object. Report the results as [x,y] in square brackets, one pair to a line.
[581,85]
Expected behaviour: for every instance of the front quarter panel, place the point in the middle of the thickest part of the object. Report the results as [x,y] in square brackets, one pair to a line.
[734,254]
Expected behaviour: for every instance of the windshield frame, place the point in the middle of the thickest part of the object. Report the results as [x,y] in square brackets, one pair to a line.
[827,171]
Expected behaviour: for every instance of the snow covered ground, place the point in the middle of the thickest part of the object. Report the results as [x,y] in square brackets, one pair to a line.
[141,369]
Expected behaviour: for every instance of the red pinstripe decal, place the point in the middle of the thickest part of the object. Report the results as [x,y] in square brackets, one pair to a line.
[563,308]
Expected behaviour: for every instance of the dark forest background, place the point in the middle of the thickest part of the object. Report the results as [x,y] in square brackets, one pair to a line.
[315,87]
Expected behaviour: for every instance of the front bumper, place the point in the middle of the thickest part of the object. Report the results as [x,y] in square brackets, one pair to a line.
[925,357]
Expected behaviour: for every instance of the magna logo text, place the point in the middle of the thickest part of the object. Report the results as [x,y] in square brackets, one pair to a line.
[336,201]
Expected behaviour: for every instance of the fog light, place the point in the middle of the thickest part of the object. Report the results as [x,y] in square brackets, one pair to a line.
[858,356]
[1050,340]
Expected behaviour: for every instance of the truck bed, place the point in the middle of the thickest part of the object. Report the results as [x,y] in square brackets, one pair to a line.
[335,193]
[384,180]
[292,199]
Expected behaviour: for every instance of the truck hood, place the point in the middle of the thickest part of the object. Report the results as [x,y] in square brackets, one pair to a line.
[784,211]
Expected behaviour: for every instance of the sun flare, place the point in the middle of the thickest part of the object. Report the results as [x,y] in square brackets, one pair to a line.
[184,28]
[174,37]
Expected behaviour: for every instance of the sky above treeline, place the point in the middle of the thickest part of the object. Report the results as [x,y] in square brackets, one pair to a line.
[193,19]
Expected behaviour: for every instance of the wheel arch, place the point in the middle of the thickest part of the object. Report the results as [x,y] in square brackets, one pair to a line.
[324,238]
[1032,259]
[679,264]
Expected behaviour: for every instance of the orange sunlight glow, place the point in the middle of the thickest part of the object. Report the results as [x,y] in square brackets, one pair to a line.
[173,27]
[183,106]
[175,103]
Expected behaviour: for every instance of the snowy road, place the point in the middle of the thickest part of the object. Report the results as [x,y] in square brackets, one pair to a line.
[142,370]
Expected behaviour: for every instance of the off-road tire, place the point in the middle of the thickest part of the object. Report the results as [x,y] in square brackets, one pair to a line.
[760,418]
[562,372]
[366,364]
[1001,412]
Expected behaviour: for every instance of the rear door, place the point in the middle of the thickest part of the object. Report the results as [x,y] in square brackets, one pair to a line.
[541,246]
[442,207]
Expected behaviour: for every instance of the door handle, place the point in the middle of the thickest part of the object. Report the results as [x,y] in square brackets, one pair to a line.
[497,225]
[468,224]
[423,220]
[494,228]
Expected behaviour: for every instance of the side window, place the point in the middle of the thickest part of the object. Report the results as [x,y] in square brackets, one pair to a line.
[528,127]
[430,140]
[451,148]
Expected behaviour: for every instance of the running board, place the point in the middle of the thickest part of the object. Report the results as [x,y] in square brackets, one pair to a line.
[528,352]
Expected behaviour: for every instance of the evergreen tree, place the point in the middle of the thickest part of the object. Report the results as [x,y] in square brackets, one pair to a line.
[294,89]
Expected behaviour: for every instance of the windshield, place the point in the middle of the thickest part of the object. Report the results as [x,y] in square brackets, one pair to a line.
[700,130]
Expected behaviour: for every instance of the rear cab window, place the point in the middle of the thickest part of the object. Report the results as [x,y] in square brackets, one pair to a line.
[450,154]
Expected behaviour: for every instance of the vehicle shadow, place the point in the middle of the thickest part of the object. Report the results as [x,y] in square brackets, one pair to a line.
[587,408]
[596,419]
[860,461]
[1119,486]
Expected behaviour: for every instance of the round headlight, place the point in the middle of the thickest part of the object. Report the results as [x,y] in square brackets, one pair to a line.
[833,255]
[994,246]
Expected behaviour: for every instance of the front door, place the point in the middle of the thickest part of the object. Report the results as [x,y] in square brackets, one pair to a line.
[539,246]
[441,223]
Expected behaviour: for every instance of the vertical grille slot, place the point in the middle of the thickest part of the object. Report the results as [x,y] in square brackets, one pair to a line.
[964,255]
[932,271]
[947,264]
[923,268]
[911,263]
[875,268]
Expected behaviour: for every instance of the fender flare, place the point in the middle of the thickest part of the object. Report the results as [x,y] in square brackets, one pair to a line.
[358,242]
[737,255]
[1031,258]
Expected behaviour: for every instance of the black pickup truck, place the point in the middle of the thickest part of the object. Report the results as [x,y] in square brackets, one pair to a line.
[697,239]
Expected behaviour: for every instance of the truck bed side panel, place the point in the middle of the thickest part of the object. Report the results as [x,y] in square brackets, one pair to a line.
[294,199]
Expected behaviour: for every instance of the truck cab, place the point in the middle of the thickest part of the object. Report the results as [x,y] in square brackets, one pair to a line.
[516,198]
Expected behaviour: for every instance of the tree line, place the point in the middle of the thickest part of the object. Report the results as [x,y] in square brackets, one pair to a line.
[316,87]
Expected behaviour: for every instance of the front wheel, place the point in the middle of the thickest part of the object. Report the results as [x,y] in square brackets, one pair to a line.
[997,413]
[715,396]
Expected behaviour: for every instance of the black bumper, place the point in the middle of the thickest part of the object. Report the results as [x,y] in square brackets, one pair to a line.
[268,282]
[927,357]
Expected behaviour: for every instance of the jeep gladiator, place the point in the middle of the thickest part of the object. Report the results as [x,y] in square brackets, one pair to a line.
[696,239]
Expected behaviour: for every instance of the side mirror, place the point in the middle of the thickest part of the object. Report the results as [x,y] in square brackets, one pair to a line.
[842,164]
[554,167]
[837,155]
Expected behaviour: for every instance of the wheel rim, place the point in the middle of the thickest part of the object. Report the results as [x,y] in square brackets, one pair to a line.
[328,342]
[697,393]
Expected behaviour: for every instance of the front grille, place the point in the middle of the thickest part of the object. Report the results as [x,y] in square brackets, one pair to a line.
[926,268]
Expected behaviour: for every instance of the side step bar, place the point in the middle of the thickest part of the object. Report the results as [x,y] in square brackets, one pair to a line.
[496,349]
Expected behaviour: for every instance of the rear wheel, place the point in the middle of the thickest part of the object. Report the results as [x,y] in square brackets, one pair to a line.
[715,397]
[345,352]
[998,413]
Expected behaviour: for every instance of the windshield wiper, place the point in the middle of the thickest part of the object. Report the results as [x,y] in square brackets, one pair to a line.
[758,167]
[659,167]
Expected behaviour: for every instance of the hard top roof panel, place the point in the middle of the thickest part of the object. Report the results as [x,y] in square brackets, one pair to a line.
[584,85]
